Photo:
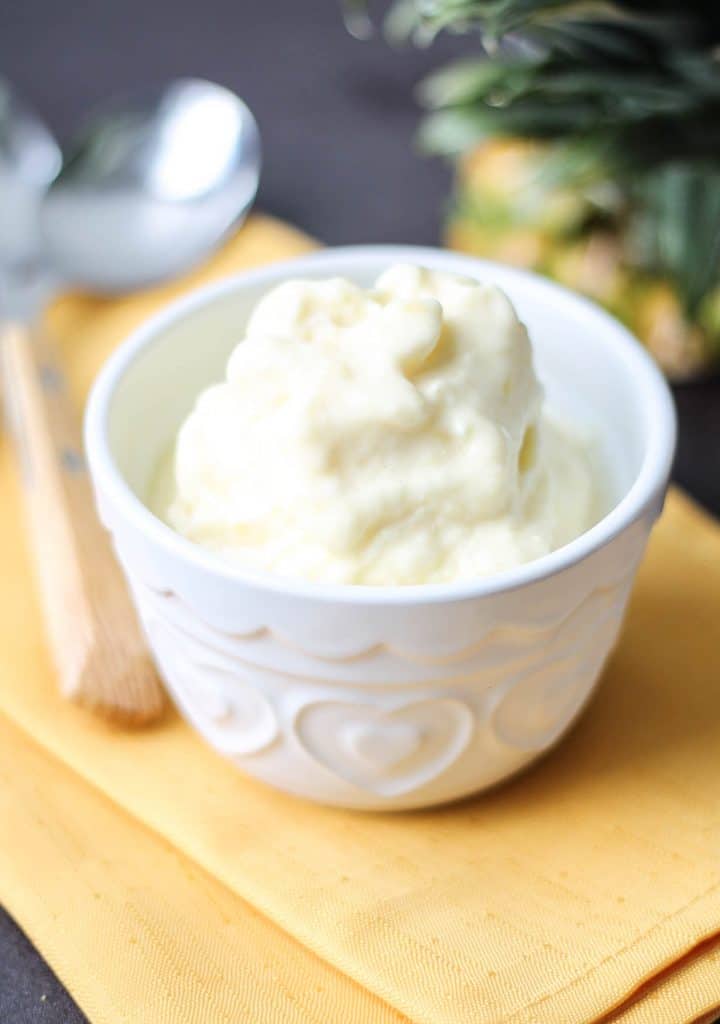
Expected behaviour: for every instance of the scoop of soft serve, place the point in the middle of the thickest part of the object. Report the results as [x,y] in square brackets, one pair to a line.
[387,436]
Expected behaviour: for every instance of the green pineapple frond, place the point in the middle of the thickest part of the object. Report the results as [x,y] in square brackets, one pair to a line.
[626,93]
[638,104]
[638,81]
[676,227]
[694,23]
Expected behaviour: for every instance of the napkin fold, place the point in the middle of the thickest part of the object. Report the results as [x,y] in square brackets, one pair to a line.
[163,885]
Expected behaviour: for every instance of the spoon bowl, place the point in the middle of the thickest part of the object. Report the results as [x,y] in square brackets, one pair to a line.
[151,186]
[29,160]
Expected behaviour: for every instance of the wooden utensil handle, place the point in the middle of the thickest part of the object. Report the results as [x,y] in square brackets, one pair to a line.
[95,639]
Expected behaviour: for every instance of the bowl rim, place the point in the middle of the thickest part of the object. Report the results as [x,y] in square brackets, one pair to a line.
[647,487]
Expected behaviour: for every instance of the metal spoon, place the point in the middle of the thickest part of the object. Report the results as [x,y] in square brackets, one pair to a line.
[30,159]
[151,186]
[148,189]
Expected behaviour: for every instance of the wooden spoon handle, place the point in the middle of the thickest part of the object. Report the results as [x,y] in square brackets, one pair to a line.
[96,642]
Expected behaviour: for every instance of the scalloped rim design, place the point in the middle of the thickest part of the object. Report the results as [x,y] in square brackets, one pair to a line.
[510,635]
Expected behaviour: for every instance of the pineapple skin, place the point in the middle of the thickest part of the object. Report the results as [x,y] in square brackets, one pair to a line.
[505,212]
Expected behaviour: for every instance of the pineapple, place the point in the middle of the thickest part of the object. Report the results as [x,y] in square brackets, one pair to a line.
[593,265]
[505,212]
[521,247]
[588,146]
[505,185]
[657,316]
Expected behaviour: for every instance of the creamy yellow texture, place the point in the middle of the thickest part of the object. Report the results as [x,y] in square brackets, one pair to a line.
[391,436]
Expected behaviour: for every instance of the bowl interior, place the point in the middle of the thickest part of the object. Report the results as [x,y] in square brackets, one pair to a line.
[582,356]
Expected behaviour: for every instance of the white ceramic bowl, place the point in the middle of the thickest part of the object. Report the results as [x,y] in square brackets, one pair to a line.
[380,697]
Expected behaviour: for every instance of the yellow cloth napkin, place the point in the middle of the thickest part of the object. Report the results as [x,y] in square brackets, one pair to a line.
[162,885]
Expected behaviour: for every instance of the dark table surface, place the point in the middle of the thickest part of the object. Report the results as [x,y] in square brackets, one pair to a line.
[337,118]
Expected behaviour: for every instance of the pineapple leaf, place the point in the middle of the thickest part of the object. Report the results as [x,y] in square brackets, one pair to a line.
[627,92]
[679,217]
[493,81]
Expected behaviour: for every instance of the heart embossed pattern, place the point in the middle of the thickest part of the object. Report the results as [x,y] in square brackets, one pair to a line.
[536,711]
[386,751]
[381,745]
[229,712]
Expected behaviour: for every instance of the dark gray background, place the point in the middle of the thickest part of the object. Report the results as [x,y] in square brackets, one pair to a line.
[337,118]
